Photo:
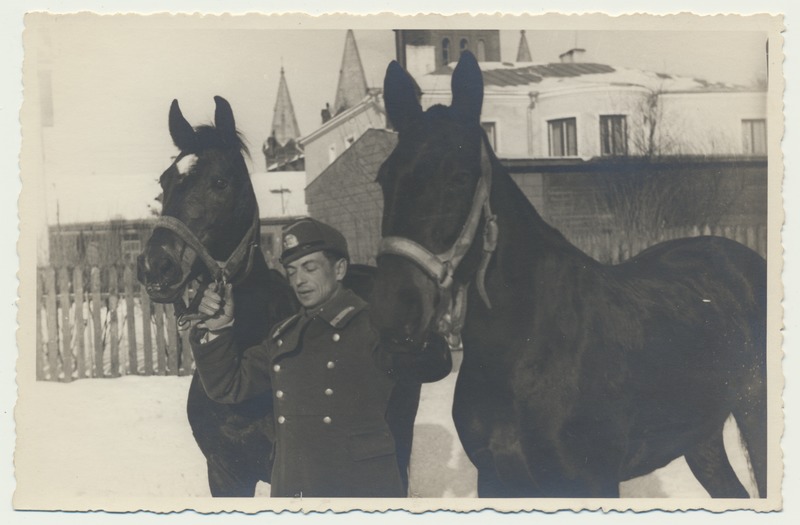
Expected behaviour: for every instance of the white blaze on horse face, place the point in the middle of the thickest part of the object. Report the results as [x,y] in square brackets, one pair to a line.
[186,164]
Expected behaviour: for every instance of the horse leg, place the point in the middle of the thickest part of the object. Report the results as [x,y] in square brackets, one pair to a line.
[400,415]
[710,465]
[227,482]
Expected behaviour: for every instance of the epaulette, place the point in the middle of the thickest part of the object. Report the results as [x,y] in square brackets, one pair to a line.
[342,316]
[282,326]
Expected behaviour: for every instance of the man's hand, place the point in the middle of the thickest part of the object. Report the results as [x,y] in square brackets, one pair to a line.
[218,308]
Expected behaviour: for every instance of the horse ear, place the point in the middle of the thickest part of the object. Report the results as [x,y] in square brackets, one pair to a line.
[467,87]
[180,130]
[223,120]
[401,96]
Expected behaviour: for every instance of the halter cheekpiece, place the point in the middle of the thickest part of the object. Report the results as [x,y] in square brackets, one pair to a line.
[442,266]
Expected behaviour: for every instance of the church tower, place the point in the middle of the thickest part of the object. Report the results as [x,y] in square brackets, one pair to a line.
[421,51]
[281,151]
[352,86]
[523,51]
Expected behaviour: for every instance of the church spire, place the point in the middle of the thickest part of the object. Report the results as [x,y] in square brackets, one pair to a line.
[352,86]
[281,151]
[284,123]
[523,52]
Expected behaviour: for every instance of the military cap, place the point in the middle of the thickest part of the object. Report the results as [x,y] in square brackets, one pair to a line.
[308,236]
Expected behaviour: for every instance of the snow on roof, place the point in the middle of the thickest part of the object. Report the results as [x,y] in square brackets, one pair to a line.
[280,193]
[510,77]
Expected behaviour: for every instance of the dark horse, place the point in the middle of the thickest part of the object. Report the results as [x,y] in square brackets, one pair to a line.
[208,190]
[210,214]
[576,375]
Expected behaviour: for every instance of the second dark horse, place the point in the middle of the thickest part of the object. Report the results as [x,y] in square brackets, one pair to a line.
[576,375]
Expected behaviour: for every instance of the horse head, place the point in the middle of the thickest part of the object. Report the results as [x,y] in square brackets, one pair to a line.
[435,187]
[208,206]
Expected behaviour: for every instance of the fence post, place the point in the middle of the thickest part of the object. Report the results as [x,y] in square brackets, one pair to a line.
[130,307]
[147,339]
[66,329]
[187,359]
[113,325]
[172,339]
[161,351]
[80,329]
[52,323]
[97,327]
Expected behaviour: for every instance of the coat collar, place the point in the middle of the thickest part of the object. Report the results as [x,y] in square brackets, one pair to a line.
[337,312]
[342,307]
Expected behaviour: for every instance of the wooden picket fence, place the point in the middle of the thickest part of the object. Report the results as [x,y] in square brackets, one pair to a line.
[99,322]
[612,248]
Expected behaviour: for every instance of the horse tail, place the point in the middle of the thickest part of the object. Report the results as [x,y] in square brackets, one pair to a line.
[750,412]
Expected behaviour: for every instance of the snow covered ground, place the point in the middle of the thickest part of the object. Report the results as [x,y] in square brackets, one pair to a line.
[129,438]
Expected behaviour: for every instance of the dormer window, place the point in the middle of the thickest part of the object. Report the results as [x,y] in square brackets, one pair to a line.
[446,51]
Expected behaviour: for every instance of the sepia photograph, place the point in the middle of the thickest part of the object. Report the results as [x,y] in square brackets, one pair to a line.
[294,263]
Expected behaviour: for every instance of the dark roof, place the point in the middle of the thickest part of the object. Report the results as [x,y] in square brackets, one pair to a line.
[521,76]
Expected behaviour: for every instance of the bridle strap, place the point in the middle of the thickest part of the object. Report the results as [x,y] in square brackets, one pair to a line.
[220,271]
[442,266]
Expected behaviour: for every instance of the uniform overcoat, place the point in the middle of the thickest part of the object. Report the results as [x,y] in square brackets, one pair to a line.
[330,398]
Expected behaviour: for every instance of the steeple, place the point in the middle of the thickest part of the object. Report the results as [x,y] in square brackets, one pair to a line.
[523,52]
[284,123]
[352,86]
[281,151]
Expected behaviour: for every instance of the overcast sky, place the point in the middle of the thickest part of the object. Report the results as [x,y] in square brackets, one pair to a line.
[113,79]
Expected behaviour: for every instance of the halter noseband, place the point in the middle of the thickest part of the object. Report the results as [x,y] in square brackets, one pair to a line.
[233,270]
[442,266]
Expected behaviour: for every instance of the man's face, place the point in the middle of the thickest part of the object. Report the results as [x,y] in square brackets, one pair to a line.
[314,278]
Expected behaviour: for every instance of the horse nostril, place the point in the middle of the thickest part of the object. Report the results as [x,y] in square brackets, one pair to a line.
[164,266]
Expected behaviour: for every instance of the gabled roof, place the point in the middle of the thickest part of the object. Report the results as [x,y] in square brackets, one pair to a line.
[373,98]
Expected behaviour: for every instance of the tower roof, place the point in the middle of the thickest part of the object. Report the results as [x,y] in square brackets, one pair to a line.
[352,86]
[523,52]
[284,123]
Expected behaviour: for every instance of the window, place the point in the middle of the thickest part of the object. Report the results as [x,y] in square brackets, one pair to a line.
[464,45]
[563,137]
[446,51]
[613,135]
[481,50]
[754,137]
[131,247]
[491,132]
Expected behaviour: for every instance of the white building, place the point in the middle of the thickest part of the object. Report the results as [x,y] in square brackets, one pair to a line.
[586,109]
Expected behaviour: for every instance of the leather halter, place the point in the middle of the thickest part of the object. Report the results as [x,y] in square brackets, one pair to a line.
[442,266]
[233,270]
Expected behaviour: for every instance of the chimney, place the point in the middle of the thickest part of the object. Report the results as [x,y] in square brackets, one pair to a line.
[576,54]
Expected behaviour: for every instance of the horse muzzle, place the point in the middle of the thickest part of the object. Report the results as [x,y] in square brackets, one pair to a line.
[162,275]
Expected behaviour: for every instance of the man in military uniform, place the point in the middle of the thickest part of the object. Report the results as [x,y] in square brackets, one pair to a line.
[332,439]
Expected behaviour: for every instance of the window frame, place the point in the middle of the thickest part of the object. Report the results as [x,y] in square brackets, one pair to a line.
[608,136]
[563,125]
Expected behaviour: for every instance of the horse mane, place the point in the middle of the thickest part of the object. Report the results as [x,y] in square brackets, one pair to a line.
[209,137]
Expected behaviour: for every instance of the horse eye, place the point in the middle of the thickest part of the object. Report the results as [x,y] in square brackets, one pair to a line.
[221,184]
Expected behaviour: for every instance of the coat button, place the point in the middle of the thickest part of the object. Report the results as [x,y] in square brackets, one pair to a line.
[336,337]
[280,342]
[331,364]
[326,420]
[276,368]
[281,420]
[328,392]
[279,394]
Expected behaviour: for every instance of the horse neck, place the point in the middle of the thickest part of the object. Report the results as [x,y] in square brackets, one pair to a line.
[526,243]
